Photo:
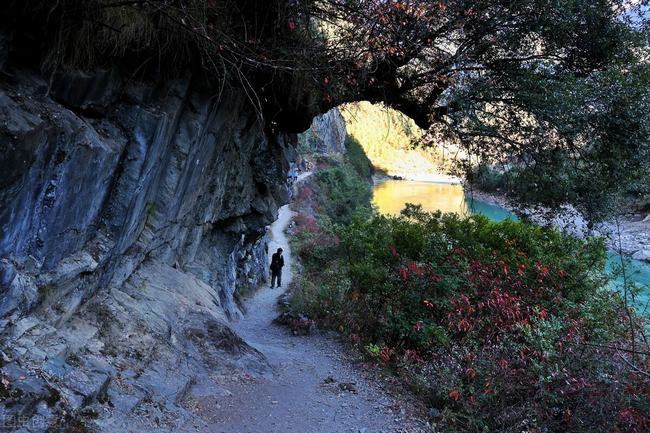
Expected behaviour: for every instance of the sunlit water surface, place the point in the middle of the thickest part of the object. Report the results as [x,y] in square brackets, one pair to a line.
[391,196]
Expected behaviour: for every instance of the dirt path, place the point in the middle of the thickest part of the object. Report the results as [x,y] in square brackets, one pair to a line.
[297,397]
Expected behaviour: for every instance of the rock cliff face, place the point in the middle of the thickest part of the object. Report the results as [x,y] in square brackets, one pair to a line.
[327,133]
[132,216]
[113,174]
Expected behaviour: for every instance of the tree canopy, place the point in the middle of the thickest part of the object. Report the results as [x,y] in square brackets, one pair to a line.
[559,88]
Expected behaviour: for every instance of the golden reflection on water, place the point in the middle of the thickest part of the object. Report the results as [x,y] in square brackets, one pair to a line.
[390,196]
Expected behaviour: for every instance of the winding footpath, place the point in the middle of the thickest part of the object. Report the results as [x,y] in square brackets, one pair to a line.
[314,387]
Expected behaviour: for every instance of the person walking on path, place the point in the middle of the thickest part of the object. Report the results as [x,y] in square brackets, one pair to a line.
[277,263]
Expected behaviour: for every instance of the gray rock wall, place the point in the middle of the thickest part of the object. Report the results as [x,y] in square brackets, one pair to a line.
[132,221]
[98,175]
[327,133]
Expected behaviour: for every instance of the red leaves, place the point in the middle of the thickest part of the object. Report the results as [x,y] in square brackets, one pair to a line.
[503,265]
[460,319]
[542,269]
[313,236]
[413,356]
[406,271]
[385,354]
[454,394]
[494,313]
[464,325]
[543,314]
[507,308]
[471,12]
[292,25]
[500,303]
[305,192]
[457,251]
[413,270]
[521,269]
[307,223]
[633,420]
[470,373]
[567,416]
[487,388]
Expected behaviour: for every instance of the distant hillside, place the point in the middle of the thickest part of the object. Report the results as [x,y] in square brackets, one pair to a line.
[387,137]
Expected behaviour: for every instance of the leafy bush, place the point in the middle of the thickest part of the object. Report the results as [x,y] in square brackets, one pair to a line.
[490,179]
[357,158]
[344,192]
[337,193]
[501,326]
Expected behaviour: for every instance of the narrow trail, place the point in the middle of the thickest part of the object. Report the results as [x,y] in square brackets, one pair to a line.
[297,397]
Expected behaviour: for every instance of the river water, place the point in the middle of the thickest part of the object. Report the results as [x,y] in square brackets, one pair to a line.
[391,196]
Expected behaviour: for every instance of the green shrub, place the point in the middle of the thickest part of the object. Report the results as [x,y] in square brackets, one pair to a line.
[490,179]
[499,325]
[344,193]
[357,158]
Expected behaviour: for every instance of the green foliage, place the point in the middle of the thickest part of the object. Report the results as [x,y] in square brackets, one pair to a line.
[304,143]
[578,140]
[344,192]
[448,245]
[334,196]
[356,157]
[496,324]
[490,179]
[558,88]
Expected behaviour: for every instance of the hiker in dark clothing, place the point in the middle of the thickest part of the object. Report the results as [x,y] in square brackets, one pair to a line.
[277,262]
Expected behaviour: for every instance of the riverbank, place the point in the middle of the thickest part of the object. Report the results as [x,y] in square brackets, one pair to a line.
[634,229]
[631,236]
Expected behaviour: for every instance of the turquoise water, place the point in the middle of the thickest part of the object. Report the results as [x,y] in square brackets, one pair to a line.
[492,211]
[637,272]
[391,196]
